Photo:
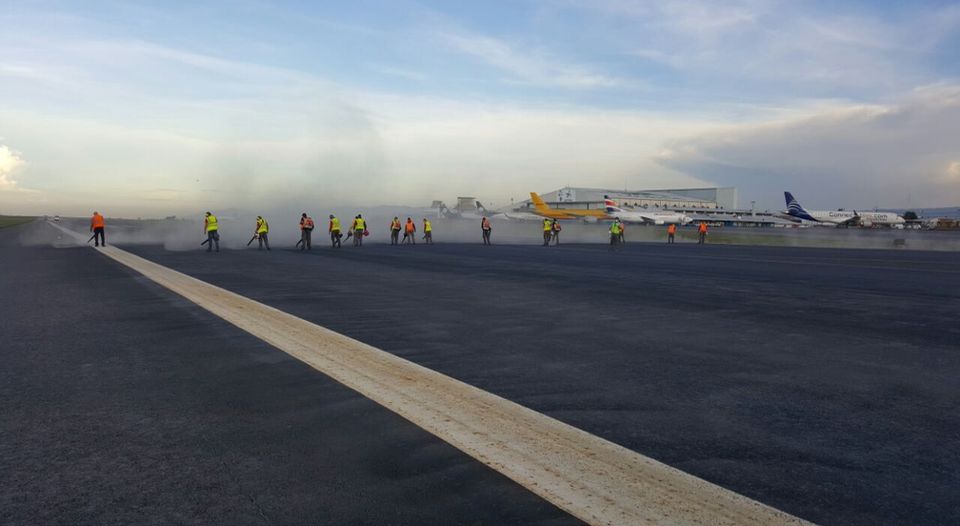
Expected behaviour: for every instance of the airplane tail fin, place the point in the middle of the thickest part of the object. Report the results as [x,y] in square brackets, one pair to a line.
[480,207]
[538,202]
[610,206]
[794,207]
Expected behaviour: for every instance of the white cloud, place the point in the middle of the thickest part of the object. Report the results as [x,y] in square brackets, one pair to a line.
[10,161]
[529,66]
[859,156]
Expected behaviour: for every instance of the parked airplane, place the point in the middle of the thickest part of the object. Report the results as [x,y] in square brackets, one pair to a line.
[541,208]
[634,216]
[478,211]
[839,217]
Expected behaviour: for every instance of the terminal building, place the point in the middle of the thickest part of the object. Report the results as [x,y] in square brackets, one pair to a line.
[717,206]
[724,198]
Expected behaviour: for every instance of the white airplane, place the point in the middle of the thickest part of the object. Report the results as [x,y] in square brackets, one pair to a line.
[479,211]
[840,217]
[655,218]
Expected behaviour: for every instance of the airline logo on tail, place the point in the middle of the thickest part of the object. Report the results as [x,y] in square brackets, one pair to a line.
[611,206]
[795,209]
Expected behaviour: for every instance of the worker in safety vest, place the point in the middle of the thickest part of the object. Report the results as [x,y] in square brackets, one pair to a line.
[556,231]
[703,233]
[334,229]
[615,233]
[410,232]
[395,231]
[623,232]
[486,229]
[211,227]
[547,231]
[96,226]
[427,231]
[262,229]
[359,230]
[306,232]
[671,233]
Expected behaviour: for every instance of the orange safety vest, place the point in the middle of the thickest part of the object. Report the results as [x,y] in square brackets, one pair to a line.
[307,224]
[96,221]
[557,227]
[395,224]
[485,224]
[411,227]
[672,229]
[703,228]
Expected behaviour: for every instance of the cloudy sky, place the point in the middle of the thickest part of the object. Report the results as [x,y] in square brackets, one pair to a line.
[157,108]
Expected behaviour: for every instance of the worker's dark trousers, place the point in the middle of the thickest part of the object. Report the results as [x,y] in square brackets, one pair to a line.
[614,241]
[358,238]
[305,238]
[556,238]
[98,237]
[703,238]
[335,238]
[428,237]
[213,238]
[486,237]
[623,240]
[669,238]
[262,240]
[394,237]
[546,238]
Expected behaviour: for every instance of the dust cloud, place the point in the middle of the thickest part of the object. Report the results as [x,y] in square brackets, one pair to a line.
[237,229]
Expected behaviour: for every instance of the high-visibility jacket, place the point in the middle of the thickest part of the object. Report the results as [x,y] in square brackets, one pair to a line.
[359,224]
[547,225]
[395,225]
[411,227]
[306,223]
[334,225]
[96,221]
[211,222]
[485,224]
[556,226]
[672,229]
[262,227]
[703,228]
[615,229]
[427,227]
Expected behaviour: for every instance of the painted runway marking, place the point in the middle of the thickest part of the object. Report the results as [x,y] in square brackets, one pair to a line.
[591,478]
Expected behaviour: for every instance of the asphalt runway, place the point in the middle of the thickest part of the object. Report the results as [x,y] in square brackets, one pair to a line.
[822,382]
[819,381]
[125,404]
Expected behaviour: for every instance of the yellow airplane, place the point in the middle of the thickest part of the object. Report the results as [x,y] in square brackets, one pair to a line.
[541,208]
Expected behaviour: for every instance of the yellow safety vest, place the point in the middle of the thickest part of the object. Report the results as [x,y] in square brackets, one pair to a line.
[547,225]
[427,227]
[212,223]
[361,224]
[335,225]
[615,229]
[262,227]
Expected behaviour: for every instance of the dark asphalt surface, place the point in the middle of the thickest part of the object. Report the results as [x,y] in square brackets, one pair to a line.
[124,404]
[823,382]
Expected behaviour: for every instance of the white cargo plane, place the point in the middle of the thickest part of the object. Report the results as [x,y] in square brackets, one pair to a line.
[633,216]
[840,217]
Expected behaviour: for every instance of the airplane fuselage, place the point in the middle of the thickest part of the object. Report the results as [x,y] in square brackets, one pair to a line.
[838,217]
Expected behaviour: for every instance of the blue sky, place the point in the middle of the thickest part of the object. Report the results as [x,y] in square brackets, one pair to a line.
[171,107]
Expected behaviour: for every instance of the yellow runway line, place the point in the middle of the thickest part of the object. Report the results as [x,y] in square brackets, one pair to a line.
[589,477]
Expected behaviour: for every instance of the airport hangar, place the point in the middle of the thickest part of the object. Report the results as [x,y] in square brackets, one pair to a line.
[714,205]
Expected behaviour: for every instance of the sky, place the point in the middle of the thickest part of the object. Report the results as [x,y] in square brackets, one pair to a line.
[161,108]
